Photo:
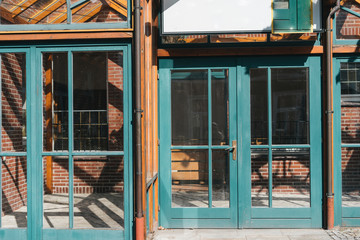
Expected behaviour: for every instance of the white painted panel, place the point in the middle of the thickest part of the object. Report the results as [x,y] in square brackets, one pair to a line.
[207,16]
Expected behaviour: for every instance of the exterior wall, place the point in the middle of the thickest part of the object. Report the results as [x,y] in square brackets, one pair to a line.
[14,184]
[348,25]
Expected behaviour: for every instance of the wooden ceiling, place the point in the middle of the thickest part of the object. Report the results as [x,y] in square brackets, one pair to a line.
[55,11]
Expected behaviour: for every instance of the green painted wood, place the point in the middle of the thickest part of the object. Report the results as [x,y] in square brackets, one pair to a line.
[269,87]
[350,222]
[210,178]
[200,213]
[280,223]
[71,137]
[351,212]
[304,15]
[278,213]
[337,143]
[12,234]
[203,223]
[61,234]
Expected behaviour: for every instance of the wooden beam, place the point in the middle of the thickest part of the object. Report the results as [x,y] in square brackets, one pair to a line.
[21,7]
[63,16]
[8,16]
[88,14]
[46,11]
[48,62]
[64,36]
[241,51]
[346,49]
[118,6]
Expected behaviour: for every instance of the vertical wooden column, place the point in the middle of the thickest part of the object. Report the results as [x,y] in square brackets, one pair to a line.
[48,121]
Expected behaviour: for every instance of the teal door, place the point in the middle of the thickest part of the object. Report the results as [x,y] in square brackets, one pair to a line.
[198,149]
[66,143]
[271,164]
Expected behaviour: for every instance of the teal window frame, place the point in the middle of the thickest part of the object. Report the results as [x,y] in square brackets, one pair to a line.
[72,26]
[296,19]
[343,216]
[35,152]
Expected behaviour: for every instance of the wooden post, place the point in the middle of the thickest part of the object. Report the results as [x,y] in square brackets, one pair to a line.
[48,121]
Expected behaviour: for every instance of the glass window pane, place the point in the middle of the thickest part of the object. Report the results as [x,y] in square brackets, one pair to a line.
[190,184]
[13,92]
[260,177]
[99,192]
[98,101]
[291,178]
[220,106]
[220,179]
[350,168]
[281,4]
[189,107]
[55,101]
[290,105]
[56,192]
[33,12]
[259,106]
[14,192]
[100,11]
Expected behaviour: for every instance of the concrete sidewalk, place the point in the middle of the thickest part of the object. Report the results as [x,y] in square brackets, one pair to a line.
[252,234]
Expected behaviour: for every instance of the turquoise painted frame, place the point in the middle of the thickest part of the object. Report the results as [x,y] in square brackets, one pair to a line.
[194,217]
[343,216]
[35,150]
[248,217]
[280,217]
[72,26]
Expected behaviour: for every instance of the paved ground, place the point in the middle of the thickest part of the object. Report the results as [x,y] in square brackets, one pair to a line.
[256,234]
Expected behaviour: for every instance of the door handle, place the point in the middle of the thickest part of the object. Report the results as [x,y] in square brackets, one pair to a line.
[233,149]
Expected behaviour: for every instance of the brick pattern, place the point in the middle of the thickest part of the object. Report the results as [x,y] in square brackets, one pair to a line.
[14,186]
[348,25]
[291,174]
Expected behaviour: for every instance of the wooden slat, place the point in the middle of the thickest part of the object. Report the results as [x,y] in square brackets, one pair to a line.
[48,121]
[88,14]
[119,6]
[8,16]
[63,35]
[22,6]
[46,11]
[346,49]
[249,51]
[63,16]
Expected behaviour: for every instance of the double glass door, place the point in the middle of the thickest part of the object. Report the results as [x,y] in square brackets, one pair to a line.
[240,143]
[65,153]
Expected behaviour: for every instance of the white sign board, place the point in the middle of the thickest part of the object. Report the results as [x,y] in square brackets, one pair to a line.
[214,16]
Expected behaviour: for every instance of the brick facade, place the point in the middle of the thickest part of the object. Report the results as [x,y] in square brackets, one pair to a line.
[14,183]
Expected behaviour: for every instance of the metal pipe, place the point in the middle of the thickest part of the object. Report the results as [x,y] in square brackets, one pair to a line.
[139,217]
[329,115]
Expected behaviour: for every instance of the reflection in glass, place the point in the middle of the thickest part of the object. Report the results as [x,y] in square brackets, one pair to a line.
[259,106]
[350,168]
[220,179]
[189,107]
[56,192]
[259,178]
[291,178]
[98,102]
[55,82]
[189,177]
[290,105]
[220,106]
[99,192]
[13,109]
[14,192]
[281,4]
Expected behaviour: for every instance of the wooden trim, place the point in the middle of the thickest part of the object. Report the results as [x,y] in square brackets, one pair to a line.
[48,62]
[63,36]
[346,49]
[249,51]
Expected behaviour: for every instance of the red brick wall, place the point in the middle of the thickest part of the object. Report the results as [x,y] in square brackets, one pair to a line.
[350,157]
[291,174]
[347,25]
[14,193]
